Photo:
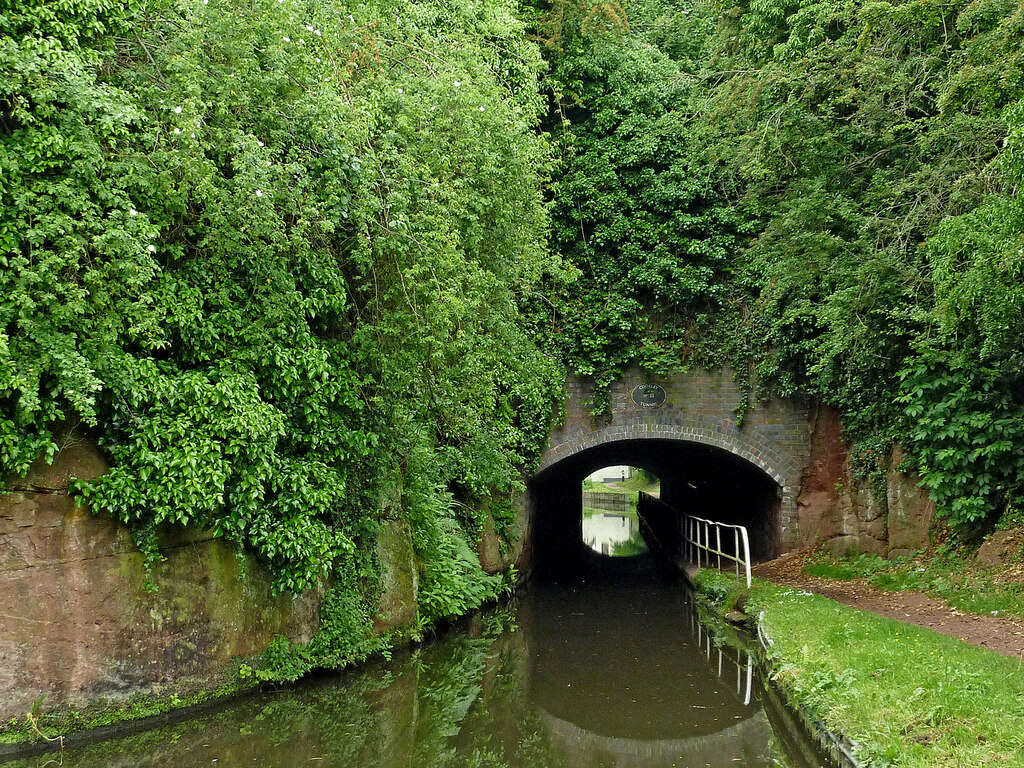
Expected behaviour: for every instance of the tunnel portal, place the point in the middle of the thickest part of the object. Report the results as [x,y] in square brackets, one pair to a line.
[719,453]
[699,479]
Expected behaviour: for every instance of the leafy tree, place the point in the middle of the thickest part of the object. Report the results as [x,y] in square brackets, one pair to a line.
[271,254]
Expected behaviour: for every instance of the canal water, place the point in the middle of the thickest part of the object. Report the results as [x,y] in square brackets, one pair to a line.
[615,671]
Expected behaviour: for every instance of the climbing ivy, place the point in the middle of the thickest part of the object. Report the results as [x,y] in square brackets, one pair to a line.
[270,254]
[818,194]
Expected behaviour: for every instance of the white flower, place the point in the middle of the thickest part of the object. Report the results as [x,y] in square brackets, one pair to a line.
[309,27]
[151,248]
[259,143]
[481,109]
[433,108]
[316,32]
[193,135]
[206,2]
[177,130]
[351,19]
[287,39]
[401,91]
[132,212]
[259,193]
[457,83]
[177,110]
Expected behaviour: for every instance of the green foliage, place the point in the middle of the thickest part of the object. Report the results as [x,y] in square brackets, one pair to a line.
[646,233]
[717,588]
[823,195]
[634,545]
[345,634]
[845,569]
[965,428]
[268,252]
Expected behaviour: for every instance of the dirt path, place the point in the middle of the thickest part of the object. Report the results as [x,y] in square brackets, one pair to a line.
[1002,635]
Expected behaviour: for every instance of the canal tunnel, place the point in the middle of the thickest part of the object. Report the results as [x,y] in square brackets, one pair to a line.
[700,479]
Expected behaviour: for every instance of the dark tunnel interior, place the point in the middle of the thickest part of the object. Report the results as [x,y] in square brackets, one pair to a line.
[695,478]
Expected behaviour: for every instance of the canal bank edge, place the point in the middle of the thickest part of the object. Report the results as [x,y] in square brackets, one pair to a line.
[88,649]
[782,703]
[895,693]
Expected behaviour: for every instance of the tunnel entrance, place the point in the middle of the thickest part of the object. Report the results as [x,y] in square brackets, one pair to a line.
[611,526]
[700,479]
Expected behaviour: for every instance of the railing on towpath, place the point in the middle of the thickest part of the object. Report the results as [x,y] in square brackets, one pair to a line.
[700,549]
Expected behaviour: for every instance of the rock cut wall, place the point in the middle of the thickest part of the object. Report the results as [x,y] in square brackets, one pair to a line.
[77,623]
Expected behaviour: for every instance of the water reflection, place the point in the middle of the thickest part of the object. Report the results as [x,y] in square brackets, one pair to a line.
[610,496]
[579,676]
[609,533]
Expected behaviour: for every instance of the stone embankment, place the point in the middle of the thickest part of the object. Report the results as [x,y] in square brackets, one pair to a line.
[80,626]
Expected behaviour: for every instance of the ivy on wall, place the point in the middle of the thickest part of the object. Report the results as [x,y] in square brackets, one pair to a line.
[825,195]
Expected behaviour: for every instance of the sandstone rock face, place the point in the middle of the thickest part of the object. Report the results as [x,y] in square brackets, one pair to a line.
[823,512]
[911,512]
[397,607]
[488,549]
[78,624]
[846,515]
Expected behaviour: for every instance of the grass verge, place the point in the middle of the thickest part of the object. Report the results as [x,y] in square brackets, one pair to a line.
[902,695]
[951,576]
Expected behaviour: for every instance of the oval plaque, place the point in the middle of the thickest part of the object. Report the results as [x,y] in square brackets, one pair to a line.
[648,395]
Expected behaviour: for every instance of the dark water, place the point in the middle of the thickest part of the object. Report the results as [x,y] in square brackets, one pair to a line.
[590,675]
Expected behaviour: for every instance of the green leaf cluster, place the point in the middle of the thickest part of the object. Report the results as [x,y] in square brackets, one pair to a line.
[824,195]
[271,254]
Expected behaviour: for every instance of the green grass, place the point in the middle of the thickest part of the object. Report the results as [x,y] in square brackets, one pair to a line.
[634,484]
[903,695]
[640,483]
[589,486]
[951,576]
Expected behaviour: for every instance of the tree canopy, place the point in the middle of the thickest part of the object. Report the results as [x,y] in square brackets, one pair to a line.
[270,253]
[304,266]
[824,195]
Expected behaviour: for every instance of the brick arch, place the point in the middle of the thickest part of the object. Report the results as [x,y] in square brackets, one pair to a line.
[753,448]
[699,407]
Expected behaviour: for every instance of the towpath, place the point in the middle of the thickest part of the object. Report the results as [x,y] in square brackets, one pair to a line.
[996,633]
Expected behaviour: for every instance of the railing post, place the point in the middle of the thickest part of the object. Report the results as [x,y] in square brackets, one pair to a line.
[736,548]
[746,552]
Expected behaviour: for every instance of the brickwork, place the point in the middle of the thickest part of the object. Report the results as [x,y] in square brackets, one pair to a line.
[699,407]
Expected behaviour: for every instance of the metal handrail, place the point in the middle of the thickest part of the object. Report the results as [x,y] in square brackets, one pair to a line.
[693,527]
